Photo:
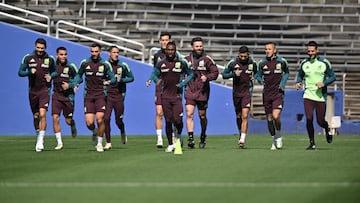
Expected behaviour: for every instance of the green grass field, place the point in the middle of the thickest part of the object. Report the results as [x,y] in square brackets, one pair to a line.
[139,172]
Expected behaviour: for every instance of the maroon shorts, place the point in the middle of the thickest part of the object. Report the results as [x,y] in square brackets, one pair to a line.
[271,103]
[173,110]
[201,105]
[241,102]
[62,105]
[93,104]
[39,99]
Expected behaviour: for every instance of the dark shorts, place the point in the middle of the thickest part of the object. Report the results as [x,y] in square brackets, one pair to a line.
[201,105]
[173,110]
[114,103]
[242,102]
[158,95]
[271,103]
[39,99]
[62,105]
[93,104]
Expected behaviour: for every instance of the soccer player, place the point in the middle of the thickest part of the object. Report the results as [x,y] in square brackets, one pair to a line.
[63,96]
[40,68]
[96,71]
[165,37]
[172,71]
[241,69]
[273,72]
[317,74]
[197,92]
[116,95]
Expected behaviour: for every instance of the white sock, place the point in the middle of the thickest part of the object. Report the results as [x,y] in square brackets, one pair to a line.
[159,132]
[242,137]
[40,138]
[58,138]
[100,140]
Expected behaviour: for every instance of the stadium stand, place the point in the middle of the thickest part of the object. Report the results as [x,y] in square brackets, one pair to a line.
[226,25]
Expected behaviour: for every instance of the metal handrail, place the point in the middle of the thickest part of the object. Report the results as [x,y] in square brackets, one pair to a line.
[47,25]
[142,46]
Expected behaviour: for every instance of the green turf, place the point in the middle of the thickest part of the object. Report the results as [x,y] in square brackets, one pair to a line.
[139,172]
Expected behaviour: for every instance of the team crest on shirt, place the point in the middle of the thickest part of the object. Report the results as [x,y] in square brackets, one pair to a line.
[66,70]
[46,61]
[101,69]
[250,67]
[177,65]
[119,71]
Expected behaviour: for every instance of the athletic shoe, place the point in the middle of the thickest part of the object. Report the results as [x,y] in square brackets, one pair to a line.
[311,147]
[241,144]
[123,138]
[59,147]
[170,148]
[329,136]
[273,147]
[107,146]
[278,143]
[191,143]
[99,148]
[73,131]
[39,147]
[159,143]
[202,144]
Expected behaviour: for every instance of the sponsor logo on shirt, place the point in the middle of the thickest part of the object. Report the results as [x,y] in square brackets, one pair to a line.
[32,65]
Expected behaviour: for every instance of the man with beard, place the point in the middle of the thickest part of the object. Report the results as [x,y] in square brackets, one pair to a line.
[98,73]
[197,92]
[63,96]
[172,71]
[40,68]
[273,72]
[317,74]
[241,69]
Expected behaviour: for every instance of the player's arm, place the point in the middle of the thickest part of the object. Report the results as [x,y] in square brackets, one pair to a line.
[228,73]
[129,77]
[285,75]
[213,70]
[329,72]
[155,74]
[74,72]
[110,73]
[52,68]
[300,75]
[24,68]
[189,74]
[259,75]
[78,77]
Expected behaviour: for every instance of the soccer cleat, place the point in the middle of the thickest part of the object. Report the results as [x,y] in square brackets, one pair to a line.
[159,143]
[241,144]
[273,147]
[99,148]
[59,147]
[39,147]
[329,136]
[170,148]
[107,146]
[311,147]
[73,131]
[191,143]
[202,144]
[278,143]
[123,138]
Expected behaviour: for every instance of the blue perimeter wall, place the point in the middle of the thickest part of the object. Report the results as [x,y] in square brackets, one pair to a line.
[16,116]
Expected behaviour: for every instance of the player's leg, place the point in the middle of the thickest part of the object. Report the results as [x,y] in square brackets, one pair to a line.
[159,124]
[277,123]
[68,109]
[202,106]
[89,107]
[107,120]
[309,114]
[244,126]
[100,107]
[55,111]
[119,115]
[178,122]
[190,108]
[270,121]
[167,108]
[44,100]
[320,108]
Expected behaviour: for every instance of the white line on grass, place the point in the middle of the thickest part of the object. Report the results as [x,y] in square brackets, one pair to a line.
[176,184]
